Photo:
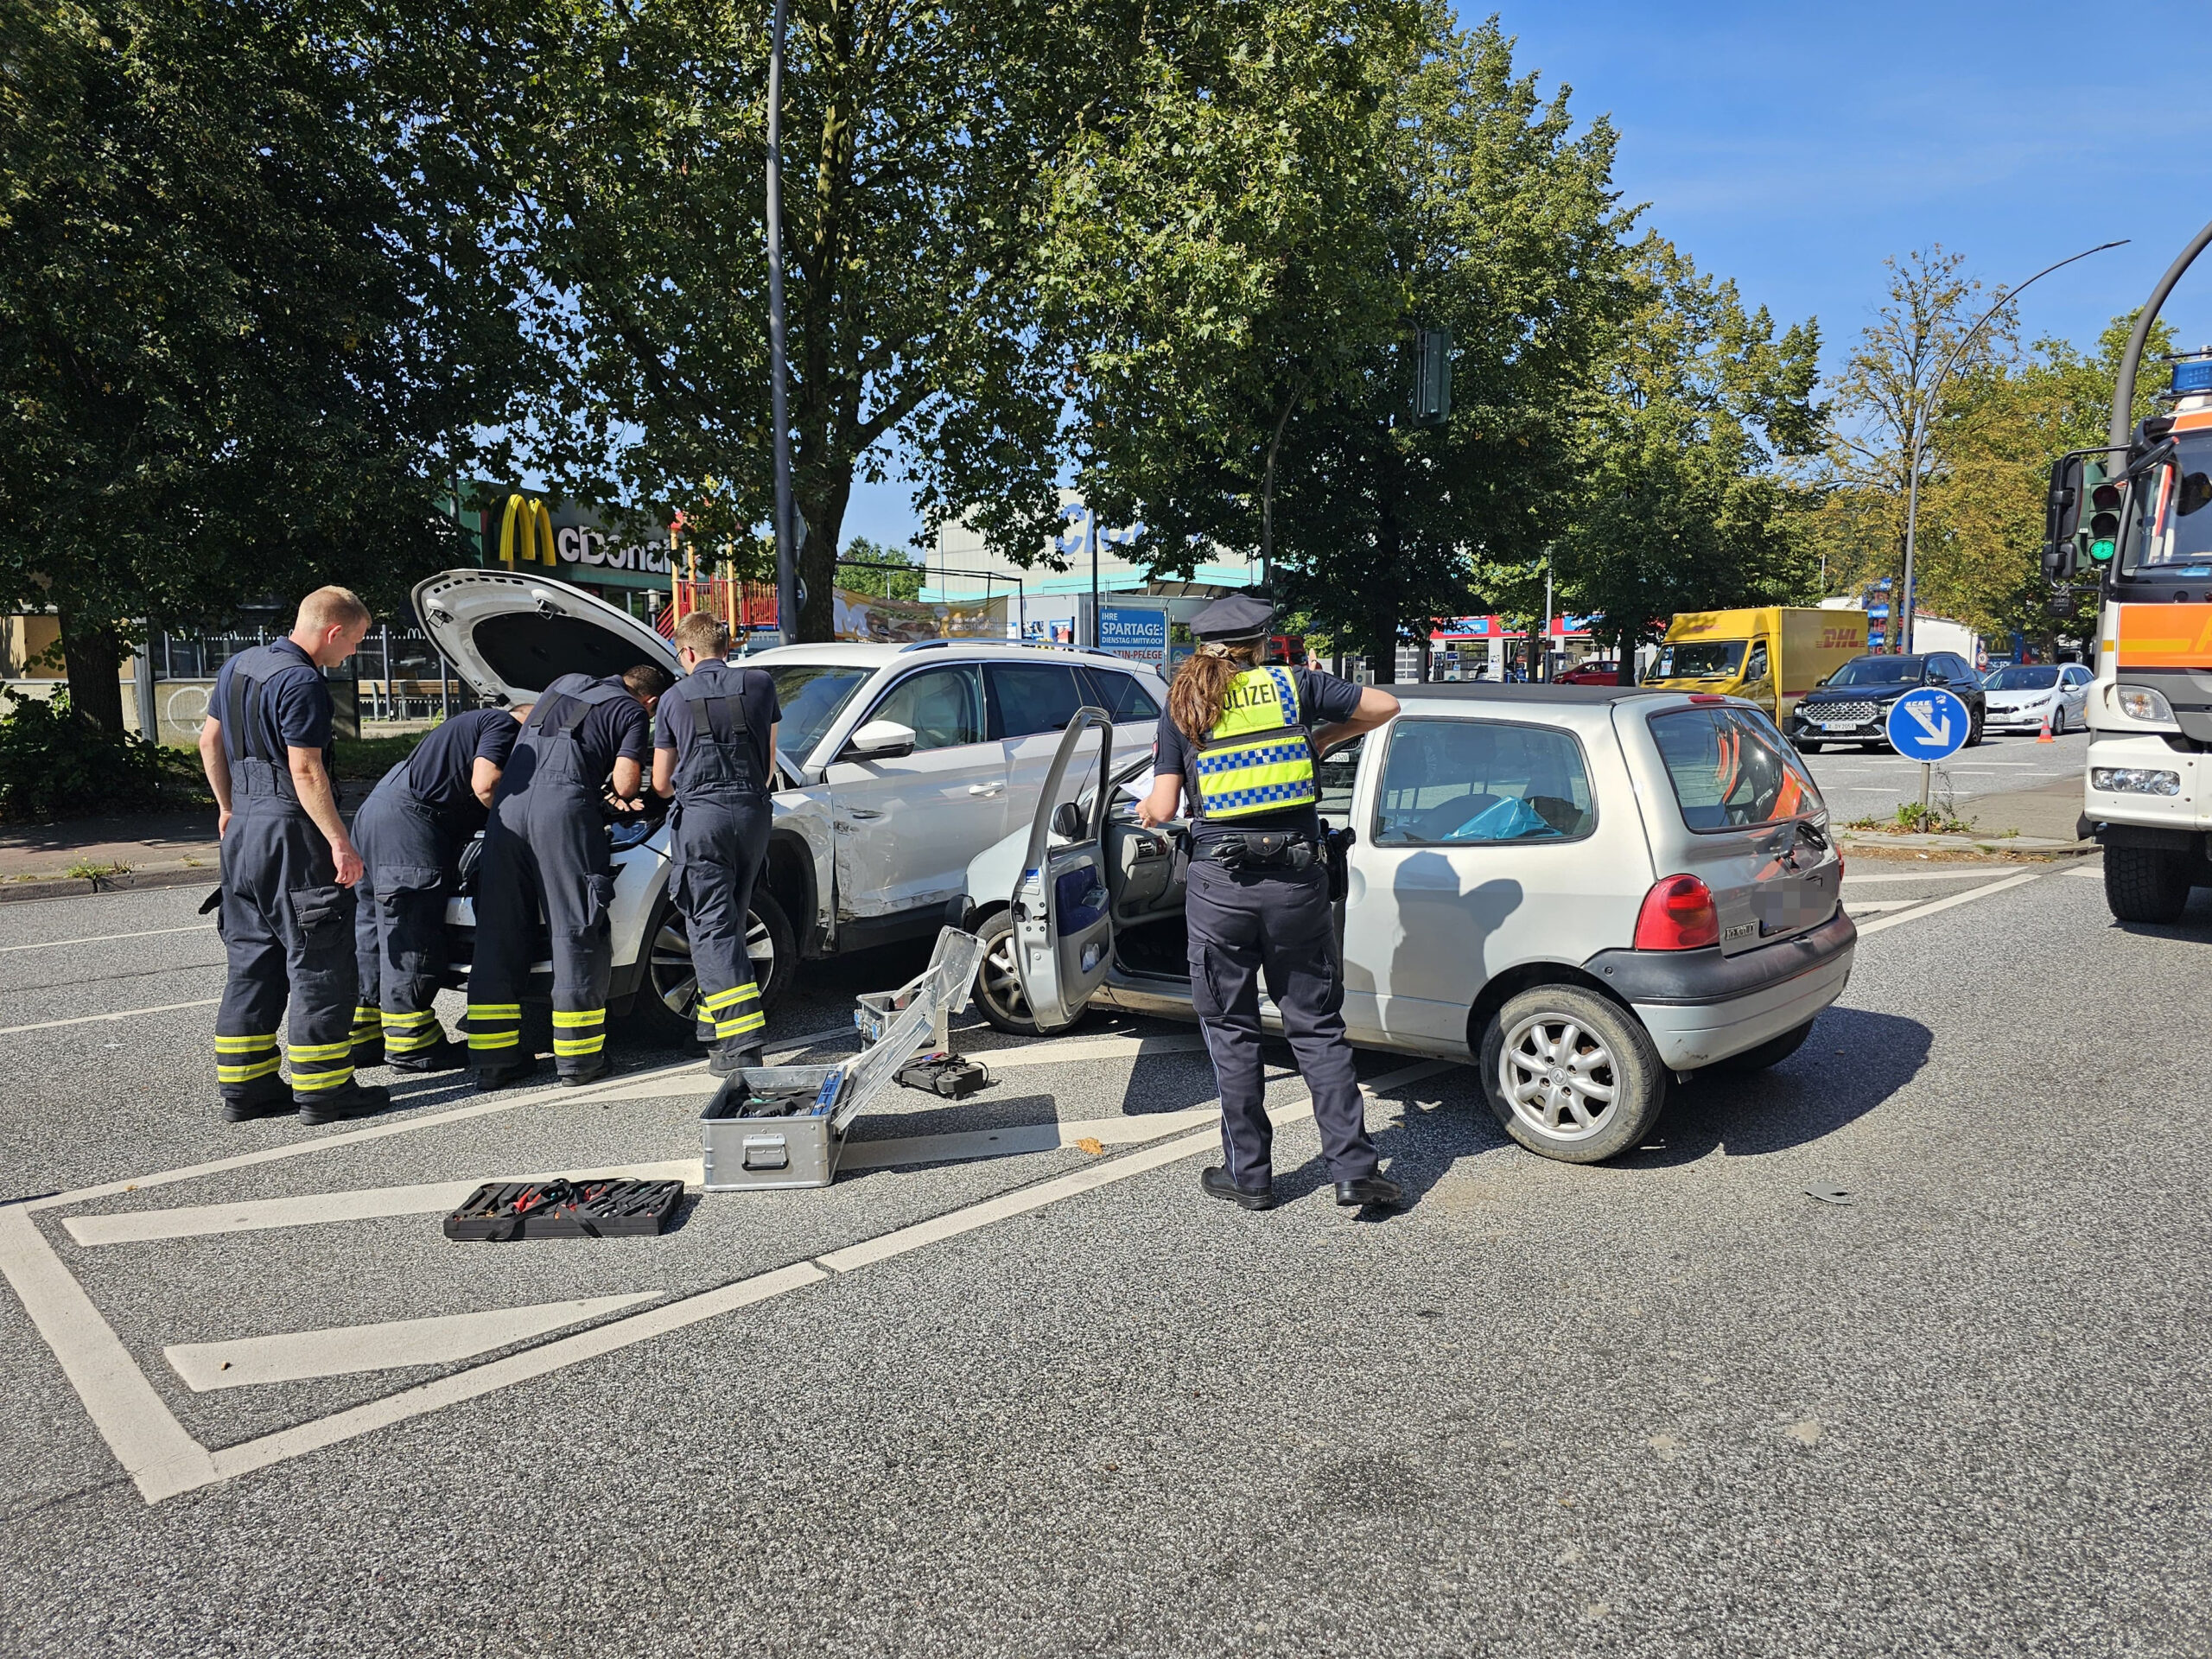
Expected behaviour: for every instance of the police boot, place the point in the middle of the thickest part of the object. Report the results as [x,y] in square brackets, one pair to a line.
[731,1055]
[1378,1189]
[349,1099]
[1216,1183]
[263,1098]
[444,1055]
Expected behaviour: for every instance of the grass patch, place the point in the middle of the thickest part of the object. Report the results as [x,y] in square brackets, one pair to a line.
[1914,819]
[364,759]
[82,871]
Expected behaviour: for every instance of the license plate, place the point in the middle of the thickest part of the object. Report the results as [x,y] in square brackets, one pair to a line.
[1839,725]
[1741,930]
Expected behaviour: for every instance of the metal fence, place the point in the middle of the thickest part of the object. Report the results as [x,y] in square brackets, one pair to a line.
[399,676]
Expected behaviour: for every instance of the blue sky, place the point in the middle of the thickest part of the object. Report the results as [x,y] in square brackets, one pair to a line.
[1793,147]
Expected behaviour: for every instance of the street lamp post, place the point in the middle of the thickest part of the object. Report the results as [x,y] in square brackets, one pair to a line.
[779,396]
[1903,603]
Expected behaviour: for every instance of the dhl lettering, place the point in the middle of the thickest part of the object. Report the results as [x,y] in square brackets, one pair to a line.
[1838,638]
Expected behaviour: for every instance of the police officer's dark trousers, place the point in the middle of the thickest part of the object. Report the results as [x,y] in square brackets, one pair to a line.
[546,843]
[399,927]
[1277,922]
[288,933]
[720,838]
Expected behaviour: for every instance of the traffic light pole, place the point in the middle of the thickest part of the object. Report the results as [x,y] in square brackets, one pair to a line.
[779,396]
[1902,604]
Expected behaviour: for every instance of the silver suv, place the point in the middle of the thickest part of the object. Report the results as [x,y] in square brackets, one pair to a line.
[897,765]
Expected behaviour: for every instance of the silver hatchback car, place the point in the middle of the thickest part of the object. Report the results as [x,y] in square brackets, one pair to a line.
[1579,889]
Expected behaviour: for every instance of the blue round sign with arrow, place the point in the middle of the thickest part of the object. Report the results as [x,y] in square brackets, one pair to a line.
[1929,724]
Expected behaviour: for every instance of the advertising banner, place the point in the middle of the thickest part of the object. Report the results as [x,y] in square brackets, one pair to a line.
[1137,632]
[902,621]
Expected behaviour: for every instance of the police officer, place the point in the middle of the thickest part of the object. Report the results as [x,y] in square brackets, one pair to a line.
[286,912]
[546,845]
[411,831]
[714,753]
[1242,738]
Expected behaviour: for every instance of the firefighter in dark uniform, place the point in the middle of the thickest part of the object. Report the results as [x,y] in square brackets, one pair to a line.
[546,846]
[1242,738]
[411,831]
[715,753]
[286,912]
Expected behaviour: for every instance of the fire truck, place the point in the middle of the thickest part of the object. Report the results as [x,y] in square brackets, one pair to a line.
[2132,516]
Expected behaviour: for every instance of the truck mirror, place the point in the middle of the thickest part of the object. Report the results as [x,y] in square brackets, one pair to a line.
[2058,560]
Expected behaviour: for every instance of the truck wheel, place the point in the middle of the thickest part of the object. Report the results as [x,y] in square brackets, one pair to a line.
[661,1011]
[1773,1052]
[998,985]
[1571,1075]
[2145,884]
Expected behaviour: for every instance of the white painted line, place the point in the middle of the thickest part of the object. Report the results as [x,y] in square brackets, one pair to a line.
[122,1014]
[104,938]
[1870,906]
[1956,898]
[436,1395]
[349,1350]
[146,1438]
[1983,874]
[1019,1138]
[1052,1050]
[315,1209]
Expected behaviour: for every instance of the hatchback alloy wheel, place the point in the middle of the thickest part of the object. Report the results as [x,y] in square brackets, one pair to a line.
[1559,1076]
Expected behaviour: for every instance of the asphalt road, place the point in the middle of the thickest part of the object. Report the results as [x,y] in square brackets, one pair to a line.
[1874,785]
[1057,1403]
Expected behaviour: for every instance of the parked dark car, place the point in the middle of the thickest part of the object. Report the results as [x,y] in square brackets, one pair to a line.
[1852,704]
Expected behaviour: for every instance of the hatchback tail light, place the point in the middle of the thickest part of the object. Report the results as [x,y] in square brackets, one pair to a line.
[1677,915]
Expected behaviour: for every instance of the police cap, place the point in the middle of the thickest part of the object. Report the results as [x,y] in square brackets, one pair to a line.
[1237,617]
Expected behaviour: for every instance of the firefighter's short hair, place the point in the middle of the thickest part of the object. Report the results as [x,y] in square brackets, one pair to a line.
[647,680]
[328,607]
[704,632]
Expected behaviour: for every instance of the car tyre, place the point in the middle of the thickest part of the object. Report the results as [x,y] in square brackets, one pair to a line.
[1772,1052]
[2058,720]
[1973,732]
[661,1011]
[2147,884]
[1560,1044]
[1805,747]
[998,992]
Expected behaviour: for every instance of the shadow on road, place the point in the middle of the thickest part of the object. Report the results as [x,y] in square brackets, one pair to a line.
[1855,1060]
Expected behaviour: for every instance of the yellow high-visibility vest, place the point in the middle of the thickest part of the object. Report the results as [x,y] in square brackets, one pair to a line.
[1257,757]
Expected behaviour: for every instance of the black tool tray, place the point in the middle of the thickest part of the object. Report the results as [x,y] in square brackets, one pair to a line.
[500,1210]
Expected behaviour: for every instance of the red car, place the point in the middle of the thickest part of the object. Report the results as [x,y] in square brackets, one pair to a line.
[1591,674]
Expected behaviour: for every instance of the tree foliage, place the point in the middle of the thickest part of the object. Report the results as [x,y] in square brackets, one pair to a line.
[244,323]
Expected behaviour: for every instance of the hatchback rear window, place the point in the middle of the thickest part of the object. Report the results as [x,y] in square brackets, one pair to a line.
[1731,769]
[1455,781]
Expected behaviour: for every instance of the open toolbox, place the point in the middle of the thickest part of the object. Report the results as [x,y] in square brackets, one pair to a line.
[784,1126]
[498,1211]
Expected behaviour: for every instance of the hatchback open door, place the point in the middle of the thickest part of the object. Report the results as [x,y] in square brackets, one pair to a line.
[1063,925]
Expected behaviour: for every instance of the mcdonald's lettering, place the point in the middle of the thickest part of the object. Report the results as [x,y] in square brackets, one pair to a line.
[537,531]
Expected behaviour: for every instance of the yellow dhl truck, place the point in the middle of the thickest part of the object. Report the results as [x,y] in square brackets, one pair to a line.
[2131,516]
[1770,655]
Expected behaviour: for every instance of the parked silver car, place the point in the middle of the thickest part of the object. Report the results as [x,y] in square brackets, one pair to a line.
[1579,889]
[2023,696]
[897,764]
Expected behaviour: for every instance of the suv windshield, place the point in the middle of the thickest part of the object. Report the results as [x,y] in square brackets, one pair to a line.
[1878,671]
[2166,529]
[1731,769]
[1701,659]
[811,693]
[2022,679]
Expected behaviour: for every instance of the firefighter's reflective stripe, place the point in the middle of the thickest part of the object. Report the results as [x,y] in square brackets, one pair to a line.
[368,1025]
[733,1012]
[1257,757]
[405,1033]
[585,1032]
[241,1059]
[318,1066]
[494,1025]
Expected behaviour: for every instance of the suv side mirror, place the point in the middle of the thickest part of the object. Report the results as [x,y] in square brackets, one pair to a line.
[881,739]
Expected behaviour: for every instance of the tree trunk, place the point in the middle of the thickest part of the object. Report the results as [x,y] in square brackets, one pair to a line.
[825,511]
[93,654]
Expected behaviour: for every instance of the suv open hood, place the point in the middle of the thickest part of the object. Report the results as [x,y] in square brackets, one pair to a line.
[509,636]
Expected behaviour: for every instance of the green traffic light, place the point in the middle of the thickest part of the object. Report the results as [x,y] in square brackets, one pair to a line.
[2101,550]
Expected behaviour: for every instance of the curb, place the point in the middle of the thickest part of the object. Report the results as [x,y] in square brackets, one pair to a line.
[79,886]
[1992,849]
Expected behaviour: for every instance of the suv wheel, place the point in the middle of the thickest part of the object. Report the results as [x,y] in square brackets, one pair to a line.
[661,1009]
[998,984]
[1571,1075]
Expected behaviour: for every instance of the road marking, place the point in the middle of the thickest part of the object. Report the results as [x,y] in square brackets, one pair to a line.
[165,1461]
[1956,898]
[104,938]
[1019,1138]
[349,1350]
[126,1013]
[147,1440]
[1983,874]
[1051,1050]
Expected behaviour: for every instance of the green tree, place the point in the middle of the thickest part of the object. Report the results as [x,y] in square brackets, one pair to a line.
[904,584]
[243,316]
[1684,507]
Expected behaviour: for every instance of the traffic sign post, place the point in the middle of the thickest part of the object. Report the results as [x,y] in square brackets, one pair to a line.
[1927,725]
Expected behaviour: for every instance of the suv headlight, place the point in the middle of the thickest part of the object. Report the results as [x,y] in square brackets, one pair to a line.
[2134,781]
[2141,702]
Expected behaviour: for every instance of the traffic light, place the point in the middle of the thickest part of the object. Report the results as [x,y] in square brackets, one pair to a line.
[2104,515]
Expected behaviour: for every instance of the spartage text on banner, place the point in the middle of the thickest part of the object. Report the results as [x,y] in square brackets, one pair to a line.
[1137,632]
